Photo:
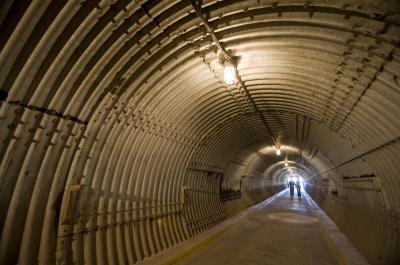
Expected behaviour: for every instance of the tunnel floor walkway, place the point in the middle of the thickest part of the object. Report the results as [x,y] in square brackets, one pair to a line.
[278,231]
[283,233]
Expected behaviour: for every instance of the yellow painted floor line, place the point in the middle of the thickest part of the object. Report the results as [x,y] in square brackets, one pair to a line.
[221,229]
[186,254]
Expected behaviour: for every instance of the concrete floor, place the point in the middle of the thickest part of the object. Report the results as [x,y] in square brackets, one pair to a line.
[285,232]
[277,231]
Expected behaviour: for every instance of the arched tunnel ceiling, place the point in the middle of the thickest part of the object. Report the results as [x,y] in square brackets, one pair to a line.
[103,93]
[300,61]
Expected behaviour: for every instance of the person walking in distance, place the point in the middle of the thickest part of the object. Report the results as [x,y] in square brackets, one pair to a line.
[291,185]
[298,186]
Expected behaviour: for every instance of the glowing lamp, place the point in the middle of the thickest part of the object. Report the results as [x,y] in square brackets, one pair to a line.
[278,152]
[229,74]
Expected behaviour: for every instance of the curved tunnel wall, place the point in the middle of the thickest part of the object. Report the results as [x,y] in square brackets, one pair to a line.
[118,133]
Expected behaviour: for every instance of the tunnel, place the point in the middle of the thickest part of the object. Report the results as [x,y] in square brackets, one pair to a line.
[129,127]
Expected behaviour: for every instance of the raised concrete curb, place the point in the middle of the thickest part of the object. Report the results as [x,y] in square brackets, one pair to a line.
[347,253]
[181,252]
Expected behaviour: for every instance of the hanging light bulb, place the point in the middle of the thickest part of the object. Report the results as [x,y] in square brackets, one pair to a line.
[278,151]
[229,74]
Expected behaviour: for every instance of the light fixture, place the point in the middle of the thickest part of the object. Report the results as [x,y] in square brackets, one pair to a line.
[229,74]
[278,151]
[286,164]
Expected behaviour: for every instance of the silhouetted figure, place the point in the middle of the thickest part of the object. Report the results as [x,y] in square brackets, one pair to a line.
[291,185]
[298,186]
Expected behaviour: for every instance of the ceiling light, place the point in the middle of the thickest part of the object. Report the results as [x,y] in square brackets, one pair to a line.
[286,164]
[229,74]
[278,152]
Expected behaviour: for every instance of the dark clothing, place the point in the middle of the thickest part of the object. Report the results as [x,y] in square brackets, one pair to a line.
[291,185]
[298,186]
